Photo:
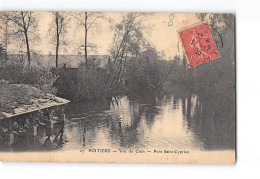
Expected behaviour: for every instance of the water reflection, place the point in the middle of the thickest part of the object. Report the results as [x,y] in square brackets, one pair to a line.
[168,121]
[179,121]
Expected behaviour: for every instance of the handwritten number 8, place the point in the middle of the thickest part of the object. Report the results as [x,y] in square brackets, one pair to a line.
[171,17]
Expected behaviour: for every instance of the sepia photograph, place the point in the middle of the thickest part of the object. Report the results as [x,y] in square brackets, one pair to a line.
[120,87]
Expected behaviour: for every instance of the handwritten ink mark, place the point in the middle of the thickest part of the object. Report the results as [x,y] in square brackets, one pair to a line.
[171,17]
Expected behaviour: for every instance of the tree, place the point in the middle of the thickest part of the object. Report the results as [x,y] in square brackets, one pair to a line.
[58,30]
[4,27]
[201,16]
[24,26]
[87,20]
[128,40]
[2,55]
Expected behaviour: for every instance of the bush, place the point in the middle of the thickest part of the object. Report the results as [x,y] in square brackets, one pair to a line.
[41,78]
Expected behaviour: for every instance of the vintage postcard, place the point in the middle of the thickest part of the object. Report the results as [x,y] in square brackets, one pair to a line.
[117,87]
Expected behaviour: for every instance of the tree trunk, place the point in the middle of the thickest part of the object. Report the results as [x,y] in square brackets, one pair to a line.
[28,48]
[57,53]
[86,38]
[6,42]
[58,40]
[26,40]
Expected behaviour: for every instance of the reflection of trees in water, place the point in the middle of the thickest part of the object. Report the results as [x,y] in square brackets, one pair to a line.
[175,104]
[213,120]
[122,130]
[150,113]
[128,135]
[217,121]
[90,128]
[125,136]
[85,115]
[209,114]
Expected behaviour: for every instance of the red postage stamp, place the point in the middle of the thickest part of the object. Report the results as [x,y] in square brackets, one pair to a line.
[199,44]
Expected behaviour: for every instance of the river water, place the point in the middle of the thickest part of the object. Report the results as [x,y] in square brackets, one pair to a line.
[184,122]
[164,122]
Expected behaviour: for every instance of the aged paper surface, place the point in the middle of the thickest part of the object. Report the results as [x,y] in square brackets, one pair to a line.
[117,87]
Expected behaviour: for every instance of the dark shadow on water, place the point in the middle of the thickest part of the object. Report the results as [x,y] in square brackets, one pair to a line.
[211,116]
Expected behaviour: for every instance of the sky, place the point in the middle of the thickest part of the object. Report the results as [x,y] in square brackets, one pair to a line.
[162,35]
